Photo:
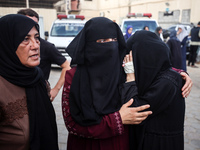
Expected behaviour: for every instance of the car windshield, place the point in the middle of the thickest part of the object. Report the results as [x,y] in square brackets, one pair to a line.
[139,25]
[172,28]
[66,29]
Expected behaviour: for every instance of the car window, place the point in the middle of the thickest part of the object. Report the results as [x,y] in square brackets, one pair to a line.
[139,25]
[172,28]
[66,29]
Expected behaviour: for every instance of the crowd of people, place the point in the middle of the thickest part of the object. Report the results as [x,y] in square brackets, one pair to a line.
[178,41]
[119,95]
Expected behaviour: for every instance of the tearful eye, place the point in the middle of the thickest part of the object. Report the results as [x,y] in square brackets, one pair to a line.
[115,39]
[106,40]
[100,41]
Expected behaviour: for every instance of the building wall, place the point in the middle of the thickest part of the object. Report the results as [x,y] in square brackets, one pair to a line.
[48,15]
[89,9]
[186,11]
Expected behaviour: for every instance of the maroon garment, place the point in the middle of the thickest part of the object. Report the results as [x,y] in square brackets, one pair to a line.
[110,134]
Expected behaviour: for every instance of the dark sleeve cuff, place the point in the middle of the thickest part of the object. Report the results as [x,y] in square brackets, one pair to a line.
[127,91]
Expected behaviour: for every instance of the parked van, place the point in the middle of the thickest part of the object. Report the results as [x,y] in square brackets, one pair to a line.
[63,31]
[138,22]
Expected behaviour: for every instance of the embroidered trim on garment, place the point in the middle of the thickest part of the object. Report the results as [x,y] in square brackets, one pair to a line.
[13,111]
[119,123]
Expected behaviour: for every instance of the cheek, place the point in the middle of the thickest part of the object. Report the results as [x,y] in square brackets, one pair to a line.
[22,53]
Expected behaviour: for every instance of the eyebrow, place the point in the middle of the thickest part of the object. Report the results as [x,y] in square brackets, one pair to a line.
[34,35]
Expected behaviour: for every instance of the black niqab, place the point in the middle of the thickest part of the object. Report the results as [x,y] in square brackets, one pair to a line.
[94,90]
[160,87]
[43,130]
[150,56]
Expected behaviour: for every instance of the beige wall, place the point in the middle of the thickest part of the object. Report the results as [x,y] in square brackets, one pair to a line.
[49,15]
[118,9]
[89,9]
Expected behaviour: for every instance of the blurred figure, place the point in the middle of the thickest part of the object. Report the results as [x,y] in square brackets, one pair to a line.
[49,56]
[182,35]
[27,117]
[146,28]
[175,48]
[195,42]
[129,31]
[159,33]
[158,85]
[198,56]
[93,111]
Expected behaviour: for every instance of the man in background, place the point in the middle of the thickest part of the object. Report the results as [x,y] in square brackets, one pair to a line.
[194,44]
[49,55]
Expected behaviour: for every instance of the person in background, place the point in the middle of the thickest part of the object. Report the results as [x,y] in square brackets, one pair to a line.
[194,44]
[91,102]
[129,31]
[146,28]
[157,84]
[159,33]
[175,49]
[49,55]
[182,35]
[27,117]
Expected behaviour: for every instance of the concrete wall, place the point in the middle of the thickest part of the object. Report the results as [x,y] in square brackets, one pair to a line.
[48,15]
[89,9]
[185,11]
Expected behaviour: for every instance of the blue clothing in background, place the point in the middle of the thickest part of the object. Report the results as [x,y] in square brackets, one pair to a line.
[127,35]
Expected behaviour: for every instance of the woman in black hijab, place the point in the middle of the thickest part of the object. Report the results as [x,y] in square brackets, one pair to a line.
[175,49]
[160,86]
[27,118]
[91,101]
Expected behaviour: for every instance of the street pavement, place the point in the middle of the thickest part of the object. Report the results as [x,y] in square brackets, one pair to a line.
[192,115]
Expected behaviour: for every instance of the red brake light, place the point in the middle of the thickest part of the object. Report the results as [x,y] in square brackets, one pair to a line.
[61,16]
[139,15]
[70,17]
[147,15]
[80,17]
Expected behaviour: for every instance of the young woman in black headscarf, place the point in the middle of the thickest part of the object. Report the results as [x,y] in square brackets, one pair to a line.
[27,117]
[91,101]
[160,86]
[175,49]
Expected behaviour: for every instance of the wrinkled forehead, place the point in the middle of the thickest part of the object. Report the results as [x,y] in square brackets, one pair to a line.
[100,28]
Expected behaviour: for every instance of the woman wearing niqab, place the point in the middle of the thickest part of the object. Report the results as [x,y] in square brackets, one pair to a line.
[158,85]
[182,36]
[27,117]
[175,49]
[91,99]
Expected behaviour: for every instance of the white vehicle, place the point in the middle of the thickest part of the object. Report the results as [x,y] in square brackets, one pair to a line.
[188,27]
[63,31]
[139,23]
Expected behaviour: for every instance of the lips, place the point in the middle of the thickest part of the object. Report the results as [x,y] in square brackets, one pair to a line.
[36,56]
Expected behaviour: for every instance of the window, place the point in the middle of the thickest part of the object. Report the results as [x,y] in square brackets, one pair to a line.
[139,25]
[66,29]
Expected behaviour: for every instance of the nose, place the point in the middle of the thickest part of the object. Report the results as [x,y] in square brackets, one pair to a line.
[35,44]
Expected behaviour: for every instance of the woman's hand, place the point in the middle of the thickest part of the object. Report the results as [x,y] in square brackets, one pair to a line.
[187,86]
[128,67]
[132,115]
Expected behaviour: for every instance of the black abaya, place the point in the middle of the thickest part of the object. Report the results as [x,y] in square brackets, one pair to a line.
[159,86]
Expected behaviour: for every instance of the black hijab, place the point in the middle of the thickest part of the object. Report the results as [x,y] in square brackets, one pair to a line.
[160,87]
[43,130]
[94,90]
[175,48]
[151,56]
